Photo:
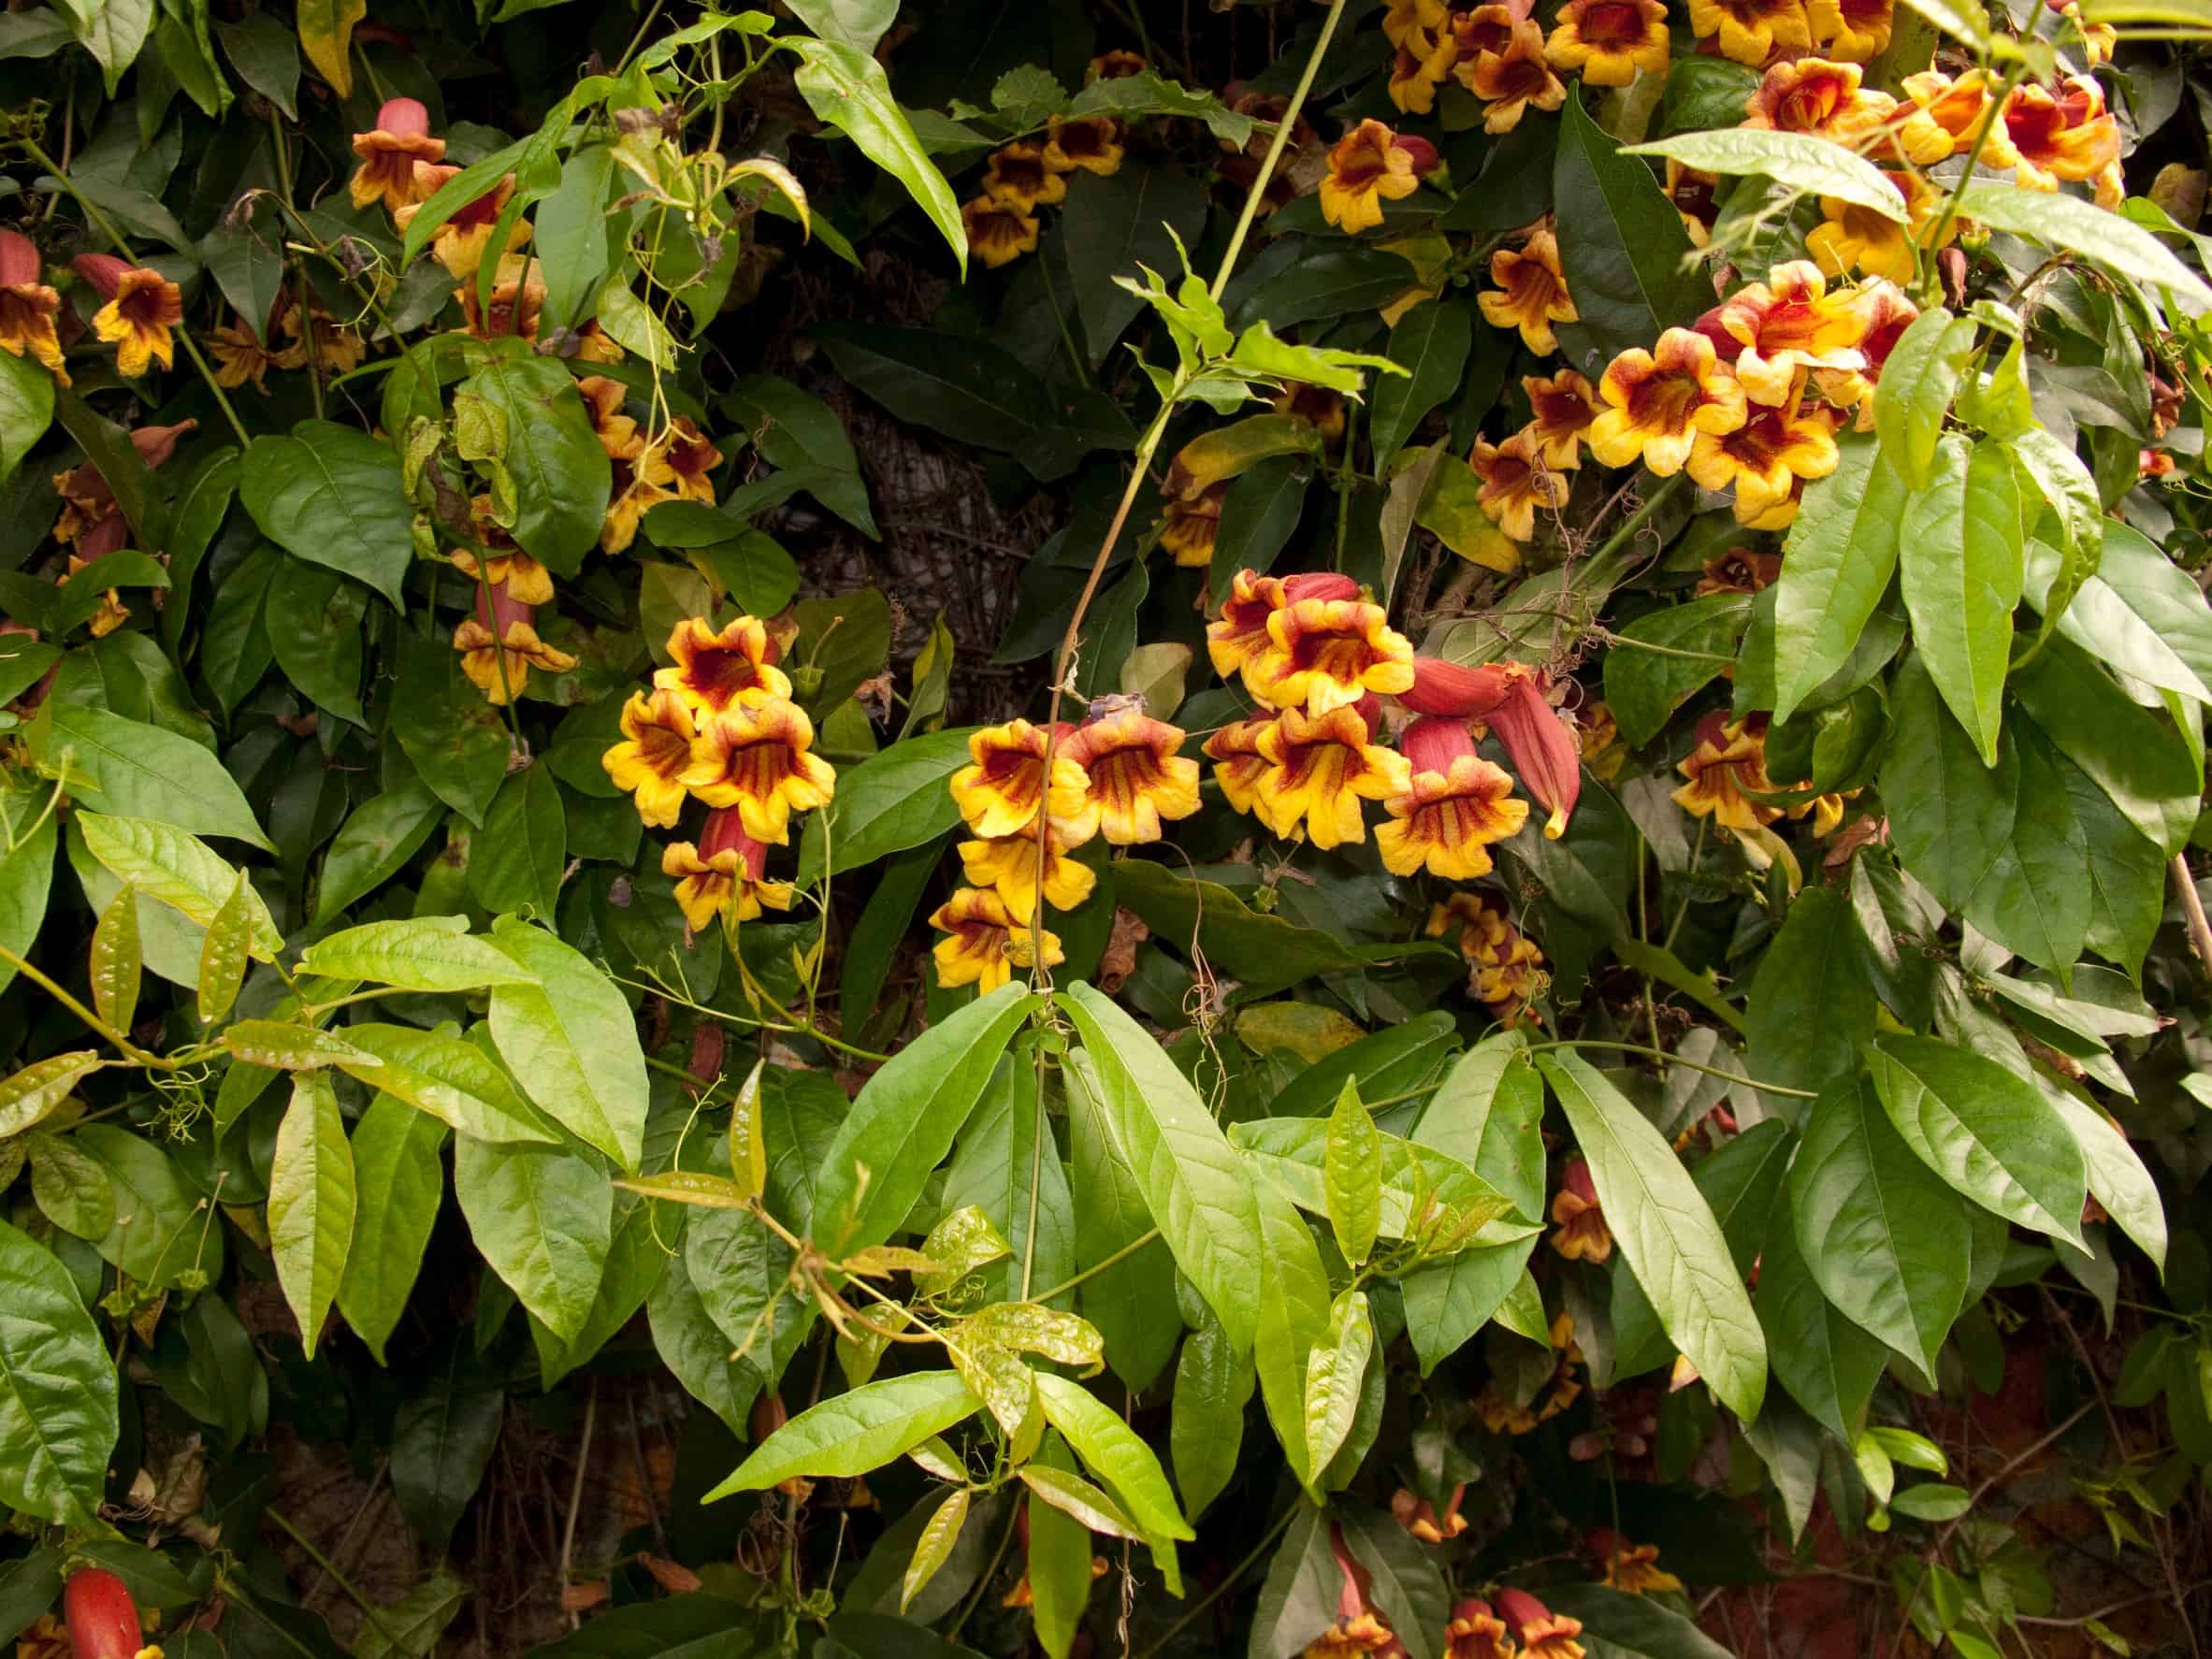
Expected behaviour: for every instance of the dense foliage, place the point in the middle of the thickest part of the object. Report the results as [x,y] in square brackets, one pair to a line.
[1476,930]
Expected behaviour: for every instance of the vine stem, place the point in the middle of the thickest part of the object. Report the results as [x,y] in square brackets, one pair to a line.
[1661,1054]
[1931,281]
[1229,1579]
[2192,908]
[567,1531]
[131,1051]
[1097,1268]
[369,1608]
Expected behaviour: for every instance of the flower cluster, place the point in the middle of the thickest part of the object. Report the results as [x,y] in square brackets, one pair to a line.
[1727,781]
[1517,1626]
[1021,177]
[1505,969]
[1503,1414]
[719,727]
[91,523]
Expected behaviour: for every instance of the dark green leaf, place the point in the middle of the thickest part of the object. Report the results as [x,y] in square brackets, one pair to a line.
[1836,565]
[57,1390]
[372,845]
[1695,644]
[849,89]
[561,474]
[132,770]
[1929,361]
[1137,216]
[1622,244]
[331,496]
[401,1179]
[1812,1004]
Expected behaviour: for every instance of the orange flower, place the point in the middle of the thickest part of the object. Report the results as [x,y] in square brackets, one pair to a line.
[1419,1517]
[1318,406]
[1561,408]
[1659,402]
[1695,196]
[1358,1628]
[1610,40]
[1751,31]
[1740,569]
[240,356]
[1516,483]
[1239,639]
[1456,805]
[499,663]
[1321,768]
[1512,697]
[1020,175]
[504,564]
[1633,1570]
[721,877]
[2066,134]
[1543,1633]
[1777,328]
[691,458]
[639,485]
[716,669]
[603,401]
[1856,30]
[1117,64]
[1533,293]
[1000,232]
[388,154]
[1367,165]
[1582,1235]
[1853,238]
[1599,740]
[1959,107]
[1484,32]
[339,349]
[1414,23]
[460,243]
[997,792]
[91,521]
[1514,79]
[28,306]
[1133,778]
[1728,760]
[1326,653]
[658,731]
[1239,765]
[1009,864]
[1090,142]
[1505,968]
[143,307]
[1192,526]
[984,942]
[2098,39]
[1765,458]
[113,613]
[1416,71]
[1476,1632]
[518,291]
[753,756]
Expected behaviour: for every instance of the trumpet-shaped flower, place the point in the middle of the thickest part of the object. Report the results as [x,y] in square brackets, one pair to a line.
[691,457]
[1456,804]
[1543,1633]
[1474,1632]
[1696,199]
[1321,768]
[389,151]
[2065,133]
[1852,237]
[1327,654]
[28,307]
[461,242]
[997,791]
[755,757]
[1856,31]
[1132,778]
[1516,483]
[1366,166]
[999,231]
[1582,1235]
[722,875]
[518,295]
[1505,970]
[1414,23]
[1777,328]
[1240,638]
[1020,175]
[1531,293]
[1514,80]
[1633,1569]
[1010,865]
[1416,71]
[1752,31]
[1561,408]
[984,941]
[655,753]
[1728,760]
[498,654]
[1239,765]
[1659,402]
[1090,142]
[1192,526]
[1961,106]
[143,310]
[716,669]
[1609,41]
[1765,458]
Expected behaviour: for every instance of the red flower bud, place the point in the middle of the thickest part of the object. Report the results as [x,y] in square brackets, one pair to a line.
[403,118]
[1433,742]
[103,1619]
[1577,1181]
[1726,346]
[725,833]
[503,612]
[1420,150]
[156,445]
[1318,584]
[1441,687]
[1521,1609]
[1543,747]
[104,271]
[18,260]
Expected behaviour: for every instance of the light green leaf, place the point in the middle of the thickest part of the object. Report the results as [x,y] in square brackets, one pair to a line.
[1962,573]
[1351,1170]
[937,1539]
[1335,1376]
[855,1433]
[1836,565]
[849,89]
[455,1082]
[223,953]
[1918,382]
[135,770]
[571,1043]
[543,1219]
[431,953]
[561,474]
[1113,1451]
[2068,223]
[400,1178]
[1815,166]
[310,1203]
[1212,1384]
[26,410]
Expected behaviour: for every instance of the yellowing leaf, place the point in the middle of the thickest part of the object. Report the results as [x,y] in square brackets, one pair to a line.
[326,36]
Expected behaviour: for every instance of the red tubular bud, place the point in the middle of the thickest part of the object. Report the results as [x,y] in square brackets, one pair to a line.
[1521,1609]
[725,833]
[403,118]
[156,445]
[18,260]
[1543,749]
[1433,742]
[104,271]
[1726,346]
[103,1619]
[504,612]
[1441,687]
[1422,151]
[1318,584]
[1579,1183]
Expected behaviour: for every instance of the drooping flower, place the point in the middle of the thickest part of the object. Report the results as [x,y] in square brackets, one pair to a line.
[388,154]
[1501,1415]
[1239,765]
[240,355]
[722,875]
[1610,40]
[1132,778]
[1192,526]
[1456,804]
[716,669]
[1370,165]
[756,757]
[1321,768]
[1852,237]
[92,522]
[1790,322]
[1476,1632]
[1658,402]
[1328,654]
[461,242]
[338,350]
[1543,1633]
[113,613]
[1633,1569]
[1009,864]
[1514,698]
[999,232]
[1561,408]
[1515,80]
[2066,134]
[503,564]
[143,309]
[1582,1235]
[1090,142]
[1516,483]
[1751,31]
[1856,30]
[1020,175]
[1728,760]
[1419,1518]
[984,941]
[655,753]
[1532,291]
[997,792]
[28,306]
[500,647]
[691,458]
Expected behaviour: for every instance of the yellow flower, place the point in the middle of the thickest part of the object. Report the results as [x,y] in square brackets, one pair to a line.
[655,753]
[1852,237]
[1582,1235]
[1239,764]
[1598,739]
[1610,40]
[1416,71]
[1021,177]
[1856,30]
[1751,31]
[1444,820]
[1133,778]
[143,307]
[1561,408]
[518,294]
[1516,483]
[983,941]
[461,242]
[716,669]
[691,458]
[1008,863]
[755,757]
[1369,163]
[1635,1571]
[1328,654]
[1090,142]
[1787,324]
[1414,23]
[1117,64]
[1319,407]
[1534,291]
[1190,526]
[1765,458]
[339,349]
[1696,200]
[499,666]
[1321,768]
[1959,107]
[113,613]
[997,792]
[999,232]
[722,875]
[505,565]
[388,154]
[28,306]
[2068,133]
[1657,403]
[1505,968]
[1728,761]
[1513,80]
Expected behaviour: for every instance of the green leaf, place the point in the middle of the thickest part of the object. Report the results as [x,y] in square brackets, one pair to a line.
[313,620]
[442,1441]
[1060,1543]
[1192,1181]
[177,869]
[849,89]
[2118,1180]
[1352,1171]
[795,430]
[965,388]
[1622,244]
[279,1046]
[332,496]
[161,1228]
[1918,381]
[223,953]
[1884,1237]
[1130,1292]
[571,1043]
[26,877]
[543,1219]
[26,410]
[1812,1004]
[1431,343]
[431,953]
[1667,1232]
[114,32]
[1693,644]
[117,960]
[695,1350]
[1631,1624]
[400,1178]
[266,58]
[906,1119]
[1404,1580]
[141,771]
[58,1421]
[1829,1365]
[937,1539]
[2140,761]
[1815,166]
[896,799]
[2070,224]
[561,474]
[1258,948]
[517,863]
[416,1621]
[31,1095]
[327,34]
[1962,574]
[1112,1450]
[455,1082]
[854,1433]
[1335,1376]
[456,739]
[1212,1385]
[202,505]
[1990,1133]
[1330,282]
[1299,1597]
[1137,216]
[310,1203]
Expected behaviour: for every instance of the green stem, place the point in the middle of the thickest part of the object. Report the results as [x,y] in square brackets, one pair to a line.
[369,1608]
[1682,911]
[1661,1054]
[1228,1581]
[1275,148]
[131,1051]
[1097,1268]
[1930,283]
